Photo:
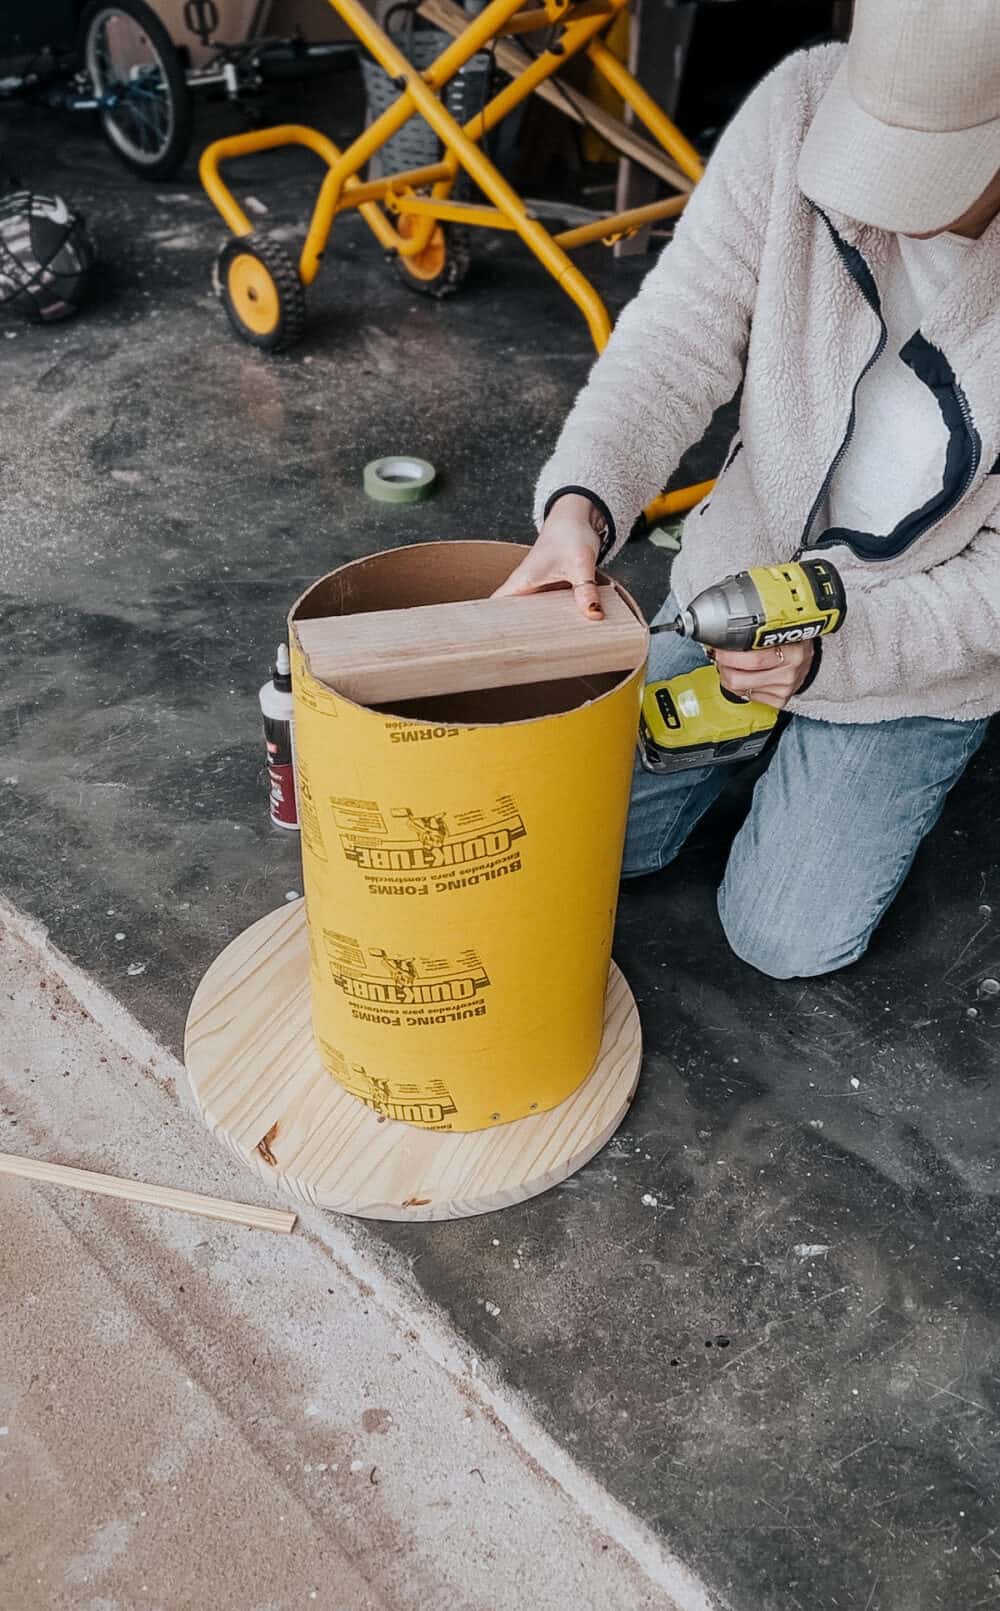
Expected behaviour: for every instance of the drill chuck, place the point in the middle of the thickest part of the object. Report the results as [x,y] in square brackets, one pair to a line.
[727,615]
[684,624]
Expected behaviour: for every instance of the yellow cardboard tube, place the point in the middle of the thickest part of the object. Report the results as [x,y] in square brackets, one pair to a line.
[460,865]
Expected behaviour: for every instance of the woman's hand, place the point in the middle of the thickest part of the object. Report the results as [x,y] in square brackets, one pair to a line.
[771,676]
[565,550]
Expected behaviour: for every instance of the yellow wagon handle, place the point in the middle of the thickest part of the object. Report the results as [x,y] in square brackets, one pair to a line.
[676,503]
[242,145]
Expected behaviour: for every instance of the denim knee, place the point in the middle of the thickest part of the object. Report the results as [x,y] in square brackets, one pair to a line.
[783,953]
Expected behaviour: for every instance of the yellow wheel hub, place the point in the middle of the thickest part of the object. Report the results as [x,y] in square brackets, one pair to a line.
[253,294]
[429,263]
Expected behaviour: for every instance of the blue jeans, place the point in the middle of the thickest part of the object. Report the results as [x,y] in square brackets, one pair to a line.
[834,825]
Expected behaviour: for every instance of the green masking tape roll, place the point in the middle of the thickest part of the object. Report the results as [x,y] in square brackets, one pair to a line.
[399,479]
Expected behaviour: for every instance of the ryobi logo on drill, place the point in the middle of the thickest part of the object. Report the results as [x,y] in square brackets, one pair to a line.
[405,991]
[774,637]
[401,852]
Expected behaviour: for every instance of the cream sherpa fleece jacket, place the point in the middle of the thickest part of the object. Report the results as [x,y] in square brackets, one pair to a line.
[760,286]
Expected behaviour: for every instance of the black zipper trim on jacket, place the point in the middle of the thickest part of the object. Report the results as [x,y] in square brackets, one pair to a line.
[965,446]
[862,276]
[962,460]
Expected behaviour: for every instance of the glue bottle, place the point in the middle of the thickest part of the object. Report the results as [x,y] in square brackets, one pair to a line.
[276,704]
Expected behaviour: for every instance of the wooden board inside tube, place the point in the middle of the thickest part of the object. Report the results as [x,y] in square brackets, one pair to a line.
[383,655]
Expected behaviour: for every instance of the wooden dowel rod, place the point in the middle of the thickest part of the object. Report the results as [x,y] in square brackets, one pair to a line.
[135,1191]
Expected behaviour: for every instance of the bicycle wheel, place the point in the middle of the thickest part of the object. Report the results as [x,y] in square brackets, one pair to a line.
[136,73]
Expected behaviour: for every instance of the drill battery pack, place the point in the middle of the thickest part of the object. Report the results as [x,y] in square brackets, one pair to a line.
[691,721]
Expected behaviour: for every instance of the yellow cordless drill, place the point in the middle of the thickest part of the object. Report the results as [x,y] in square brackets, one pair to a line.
[691,720]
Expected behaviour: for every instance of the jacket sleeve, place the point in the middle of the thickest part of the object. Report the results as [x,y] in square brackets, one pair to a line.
[932,635]
[679,347]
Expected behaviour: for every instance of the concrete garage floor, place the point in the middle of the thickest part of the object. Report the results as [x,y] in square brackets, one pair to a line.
[196,1415]
[766,1318]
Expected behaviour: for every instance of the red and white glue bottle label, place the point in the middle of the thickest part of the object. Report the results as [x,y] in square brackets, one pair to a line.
[276,704]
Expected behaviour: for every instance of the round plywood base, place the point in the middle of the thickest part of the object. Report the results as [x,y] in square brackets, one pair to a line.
[262,1089]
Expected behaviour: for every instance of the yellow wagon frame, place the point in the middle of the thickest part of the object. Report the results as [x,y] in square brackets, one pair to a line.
[579,25]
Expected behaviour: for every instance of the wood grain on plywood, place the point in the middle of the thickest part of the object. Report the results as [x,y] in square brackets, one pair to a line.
[434,649]
[260,1086]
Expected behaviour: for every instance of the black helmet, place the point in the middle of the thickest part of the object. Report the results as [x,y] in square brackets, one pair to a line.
[46,256]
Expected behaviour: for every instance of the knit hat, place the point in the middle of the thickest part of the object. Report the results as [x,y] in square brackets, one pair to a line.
[907,137]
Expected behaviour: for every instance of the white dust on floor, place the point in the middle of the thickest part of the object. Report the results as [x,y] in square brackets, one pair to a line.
[199,1414]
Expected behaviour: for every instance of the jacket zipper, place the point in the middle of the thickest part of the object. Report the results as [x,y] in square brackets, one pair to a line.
[970,475]
[956,391]
[876,354]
